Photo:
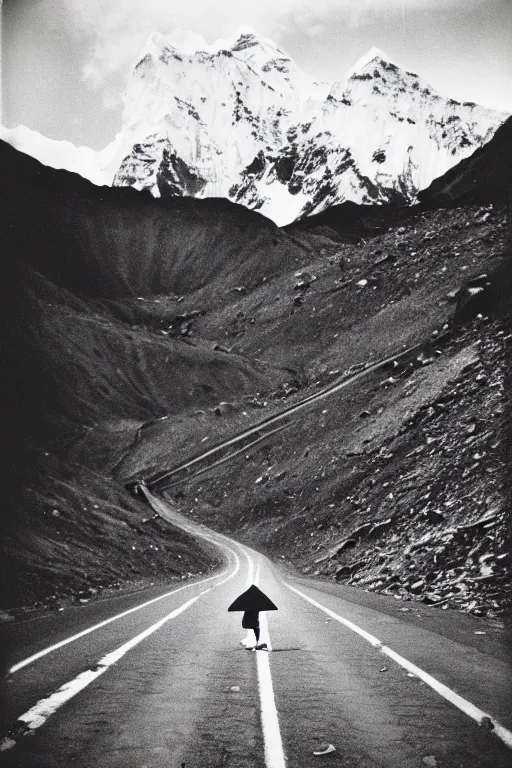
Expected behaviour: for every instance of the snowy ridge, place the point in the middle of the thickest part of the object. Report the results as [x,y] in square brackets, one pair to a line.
[239,119]
[367,58]
[98,167]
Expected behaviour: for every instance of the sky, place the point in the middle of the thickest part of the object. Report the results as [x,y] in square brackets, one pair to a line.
[65,63]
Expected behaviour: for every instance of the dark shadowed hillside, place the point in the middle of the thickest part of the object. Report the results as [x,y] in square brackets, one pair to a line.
[349,222]
[484,177]
[141,332]
[87,366]
[111,242]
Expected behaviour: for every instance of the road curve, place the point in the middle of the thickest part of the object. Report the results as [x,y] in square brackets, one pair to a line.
[163,679]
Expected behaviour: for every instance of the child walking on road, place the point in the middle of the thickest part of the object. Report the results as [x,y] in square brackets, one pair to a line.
[251,620]
[253,602]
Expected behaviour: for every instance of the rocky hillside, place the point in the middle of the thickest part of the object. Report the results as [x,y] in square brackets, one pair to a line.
[120,242]
[238,119]
[87,372]
[133,365]
[361,487]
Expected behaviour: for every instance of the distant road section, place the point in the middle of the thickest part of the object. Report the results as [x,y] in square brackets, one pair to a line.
[265,428]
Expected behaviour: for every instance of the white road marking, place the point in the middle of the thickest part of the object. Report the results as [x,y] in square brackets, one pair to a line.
[237,568]
[465,706]
[36,716]
[370,638]
[250,569]
[249,638]
[40,712]
[264,633]
[274,754]
[118,616]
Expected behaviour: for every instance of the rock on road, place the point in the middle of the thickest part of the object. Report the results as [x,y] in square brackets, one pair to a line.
[170,684]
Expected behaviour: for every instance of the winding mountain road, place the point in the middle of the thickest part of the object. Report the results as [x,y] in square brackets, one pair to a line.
[266,428]
[163,680]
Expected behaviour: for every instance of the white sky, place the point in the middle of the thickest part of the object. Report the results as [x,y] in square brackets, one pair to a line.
[65,62]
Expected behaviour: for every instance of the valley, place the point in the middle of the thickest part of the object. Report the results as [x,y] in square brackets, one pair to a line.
[130,364]
[257,371]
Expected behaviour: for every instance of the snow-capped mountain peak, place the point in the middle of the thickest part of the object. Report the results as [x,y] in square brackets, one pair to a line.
[239,119]
[246,44]
[371,56]
[189,43]
[258,53]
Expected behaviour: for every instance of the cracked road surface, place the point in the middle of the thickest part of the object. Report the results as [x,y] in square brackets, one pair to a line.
[163,679]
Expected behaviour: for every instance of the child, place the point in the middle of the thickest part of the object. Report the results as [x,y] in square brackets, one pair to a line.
[251,620]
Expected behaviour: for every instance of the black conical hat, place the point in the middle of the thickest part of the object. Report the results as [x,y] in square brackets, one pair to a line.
[253,599]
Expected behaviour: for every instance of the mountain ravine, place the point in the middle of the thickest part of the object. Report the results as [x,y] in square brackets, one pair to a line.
[141,332]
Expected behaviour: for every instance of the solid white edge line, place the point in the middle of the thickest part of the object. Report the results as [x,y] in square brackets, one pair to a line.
[370,638]
[458,701]
[61,643]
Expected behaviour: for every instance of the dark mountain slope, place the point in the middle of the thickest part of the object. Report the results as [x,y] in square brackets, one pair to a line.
[106,368]
[379,456]
[77,388]
[484,177]
[111,242]
[349,222]
[123,362]
[86,367]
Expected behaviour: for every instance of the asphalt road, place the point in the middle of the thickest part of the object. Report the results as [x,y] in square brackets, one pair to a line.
[170,684]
